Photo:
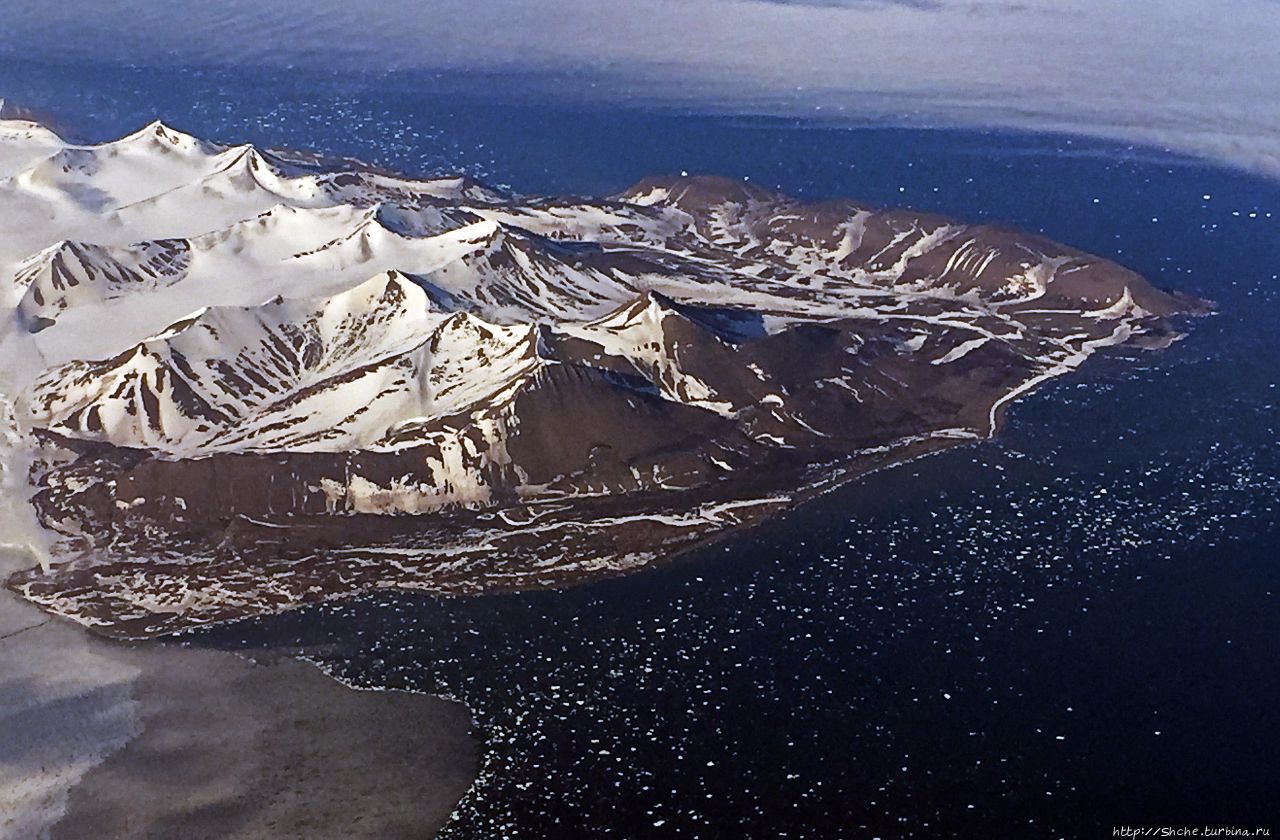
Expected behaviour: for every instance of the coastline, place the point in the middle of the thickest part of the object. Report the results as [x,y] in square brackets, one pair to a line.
[107,739]
[770,502]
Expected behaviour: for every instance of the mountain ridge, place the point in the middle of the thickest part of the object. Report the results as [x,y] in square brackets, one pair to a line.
[323,378]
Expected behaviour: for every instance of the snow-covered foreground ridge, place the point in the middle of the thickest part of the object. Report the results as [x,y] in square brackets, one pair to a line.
[255,378]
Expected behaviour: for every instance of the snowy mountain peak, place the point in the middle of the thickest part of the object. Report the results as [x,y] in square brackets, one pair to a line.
[166,138]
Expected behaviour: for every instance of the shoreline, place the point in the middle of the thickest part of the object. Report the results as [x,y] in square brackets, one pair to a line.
[770,502]
[112,739]
[770,505]
[823,480]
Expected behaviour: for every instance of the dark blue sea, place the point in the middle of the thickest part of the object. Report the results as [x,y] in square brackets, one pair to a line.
[1068,630]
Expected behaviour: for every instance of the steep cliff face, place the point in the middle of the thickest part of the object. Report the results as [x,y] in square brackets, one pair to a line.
[256,378]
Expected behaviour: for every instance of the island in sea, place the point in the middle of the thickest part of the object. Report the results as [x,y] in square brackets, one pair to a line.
[237,380]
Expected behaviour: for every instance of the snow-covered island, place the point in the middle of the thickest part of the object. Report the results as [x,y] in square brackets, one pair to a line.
[237,380]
